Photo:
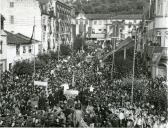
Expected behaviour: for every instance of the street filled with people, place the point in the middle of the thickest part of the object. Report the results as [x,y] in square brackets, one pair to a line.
[101,101]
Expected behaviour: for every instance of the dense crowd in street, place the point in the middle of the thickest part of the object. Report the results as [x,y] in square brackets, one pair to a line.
[24,104]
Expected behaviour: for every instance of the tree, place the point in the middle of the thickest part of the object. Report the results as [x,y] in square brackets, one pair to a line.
[23,67]
[44,57]
[79,43]
[65,50]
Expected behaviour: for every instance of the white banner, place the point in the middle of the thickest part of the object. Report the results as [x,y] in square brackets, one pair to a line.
[40,83]
[71,92]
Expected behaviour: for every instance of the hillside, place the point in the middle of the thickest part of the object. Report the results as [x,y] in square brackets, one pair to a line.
[110,6]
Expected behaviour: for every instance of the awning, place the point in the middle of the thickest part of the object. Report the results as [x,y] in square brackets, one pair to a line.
[97,36]
[127,43]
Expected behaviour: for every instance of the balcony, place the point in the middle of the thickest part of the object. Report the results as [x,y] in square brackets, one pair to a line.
[97,36]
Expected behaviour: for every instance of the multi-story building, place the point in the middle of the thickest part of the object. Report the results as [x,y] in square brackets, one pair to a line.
[20,47]
[21,16]
[3,46]
[64,14]
[15,47]
[100,26]
[51,18]
[48,26]
[57,25]
[156,37]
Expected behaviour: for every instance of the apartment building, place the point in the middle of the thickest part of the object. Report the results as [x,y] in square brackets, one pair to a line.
[64,15]
[20,47]
[156,38]
[3,46]
[21,16]
[101,26]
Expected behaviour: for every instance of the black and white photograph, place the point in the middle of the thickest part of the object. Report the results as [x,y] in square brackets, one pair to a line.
[84,63]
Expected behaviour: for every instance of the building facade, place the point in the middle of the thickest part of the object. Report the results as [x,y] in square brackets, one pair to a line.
[21,16]
[20,47]
[101,26]
[48,26]
[64,14]
[57,24]
[3,46]
[156,38]
[51,18]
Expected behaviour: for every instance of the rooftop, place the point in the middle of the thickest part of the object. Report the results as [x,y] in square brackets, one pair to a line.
[113,16]
[18,39]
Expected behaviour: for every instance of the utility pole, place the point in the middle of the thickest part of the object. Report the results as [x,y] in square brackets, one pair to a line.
[59,38]
[34,47]
[114,47]
[133,67]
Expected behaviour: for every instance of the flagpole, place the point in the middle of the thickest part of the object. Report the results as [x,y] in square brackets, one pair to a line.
[73,79]
[133,71]
[150,8]
[59,36]
[34,48]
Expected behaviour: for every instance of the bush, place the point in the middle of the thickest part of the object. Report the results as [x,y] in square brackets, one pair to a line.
[65,50]
[79,41]
[44,57]
[39,64]
[54,55]
[23,67]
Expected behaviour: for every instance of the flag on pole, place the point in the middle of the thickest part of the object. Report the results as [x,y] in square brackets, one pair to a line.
[32,34]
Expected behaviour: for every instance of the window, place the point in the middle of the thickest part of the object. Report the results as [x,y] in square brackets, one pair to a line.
[160,8]
[1,68]
[87,21]
[44,26]
[12,19]
[100,22]
[0,47]
[95,22]
[11,4]
[30,49]
[100,30]
[17,49]
[24,49]
[76,21]
[158,38]
[93,31]
[10,66]
[44,7]
[39,48]
[44,34]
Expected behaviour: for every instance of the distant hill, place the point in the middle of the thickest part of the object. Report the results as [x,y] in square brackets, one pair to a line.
[110,6]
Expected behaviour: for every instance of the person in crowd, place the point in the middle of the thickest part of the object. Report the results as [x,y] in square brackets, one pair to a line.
[22,104]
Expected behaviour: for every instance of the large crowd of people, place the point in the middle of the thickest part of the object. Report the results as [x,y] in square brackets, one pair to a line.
[23,104]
